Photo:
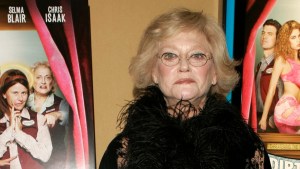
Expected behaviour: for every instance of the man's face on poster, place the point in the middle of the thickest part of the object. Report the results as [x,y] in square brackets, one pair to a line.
[268,37]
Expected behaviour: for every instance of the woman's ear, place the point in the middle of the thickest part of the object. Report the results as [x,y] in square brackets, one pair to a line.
[4,96]
[154,76]
[214,80]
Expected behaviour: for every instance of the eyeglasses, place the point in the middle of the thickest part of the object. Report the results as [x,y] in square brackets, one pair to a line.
[197,59]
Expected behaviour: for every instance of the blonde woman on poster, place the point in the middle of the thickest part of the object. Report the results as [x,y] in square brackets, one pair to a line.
[287,67]
[55,109]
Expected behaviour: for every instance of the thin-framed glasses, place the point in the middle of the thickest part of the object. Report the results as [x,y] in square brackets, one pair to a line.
[197,59]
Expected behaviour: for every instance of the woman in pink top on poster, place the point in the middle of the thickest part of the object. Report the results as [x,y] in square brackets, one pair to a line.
[287,67]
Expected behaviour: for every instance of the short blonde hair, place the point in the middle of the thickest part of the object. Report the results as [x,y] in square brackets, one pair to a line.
[282,45]
[44,64]
[170,24]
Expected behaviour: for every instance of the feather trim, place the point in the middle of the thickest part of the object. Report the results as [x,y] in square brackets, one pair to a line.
[217,137]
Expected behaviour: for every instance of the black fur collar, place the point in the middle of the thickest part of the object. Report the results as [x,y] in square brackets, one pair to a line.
[217,137]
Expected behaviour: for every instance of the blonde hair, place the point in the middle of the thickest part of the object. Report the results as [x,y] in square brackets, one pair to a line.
[170,24]
[44,64]
[282,45]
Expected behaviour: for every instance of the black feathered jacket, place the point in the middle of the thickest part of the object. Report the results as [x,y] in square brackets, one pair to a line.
[216,138]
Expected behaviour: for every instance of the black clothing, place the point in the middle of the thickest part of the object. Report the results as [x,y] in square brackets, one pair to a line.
[215,138]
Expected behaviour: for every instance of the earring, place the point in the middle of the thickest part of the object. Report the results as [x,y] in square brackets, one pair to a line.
[213,83]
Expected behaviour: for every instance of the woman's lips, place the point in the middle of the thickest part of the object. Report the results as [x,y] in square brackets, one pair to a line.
[19,105]
[185,81]
[43,87]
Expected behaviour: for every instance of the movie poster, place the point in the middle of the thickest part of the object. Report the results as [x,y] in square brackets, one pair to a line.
[281,136]
[48,41]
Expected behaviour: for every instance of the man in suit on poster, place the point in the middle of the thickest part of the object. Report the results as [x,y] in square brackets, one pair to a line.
[264,71]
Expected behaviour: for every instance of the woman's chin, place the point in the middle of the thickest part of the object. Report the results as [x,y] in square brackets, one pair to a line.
[42,92]
[187,94]
[19,108]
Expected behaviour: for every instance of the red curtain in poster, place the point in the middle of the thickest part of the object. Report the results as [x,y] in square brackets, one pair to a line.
[248,86]
[68,75]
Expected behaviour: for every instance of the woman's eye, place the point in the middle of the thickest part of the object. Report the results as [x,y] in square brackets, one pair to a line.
[198,56]
[169,56]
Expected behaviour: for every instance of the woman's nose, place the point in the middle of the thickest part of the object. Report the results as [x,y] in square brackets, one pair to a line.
[20,97]
[43,80]
[184,65]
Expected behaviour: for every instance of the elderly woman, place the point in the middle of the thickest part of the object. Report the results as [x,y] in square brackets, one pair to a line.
[55,110]
[180,117]
[25,139]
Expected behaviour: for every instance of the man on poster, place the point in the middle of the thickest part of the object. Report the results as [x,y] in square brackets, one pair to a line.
[263,74]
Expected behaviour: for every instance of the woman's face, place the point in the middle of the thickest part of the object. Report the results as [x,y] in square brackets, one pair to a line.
[43,81]
[16,96]
[184,81]
[295,39]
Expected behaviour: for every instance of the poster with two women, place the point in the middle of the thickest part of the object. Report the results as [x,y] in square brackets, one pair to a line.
[270,71]
[46,101]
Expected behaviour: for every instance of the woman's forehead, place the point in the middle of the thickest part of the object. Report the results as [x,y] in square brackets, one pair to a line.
[43,69]
[194,38]
[18,86]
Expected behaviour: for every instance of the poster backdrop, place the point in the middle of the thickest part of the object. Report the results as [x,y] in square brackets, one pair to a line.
[279,162]
[56,32]
[284,148]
